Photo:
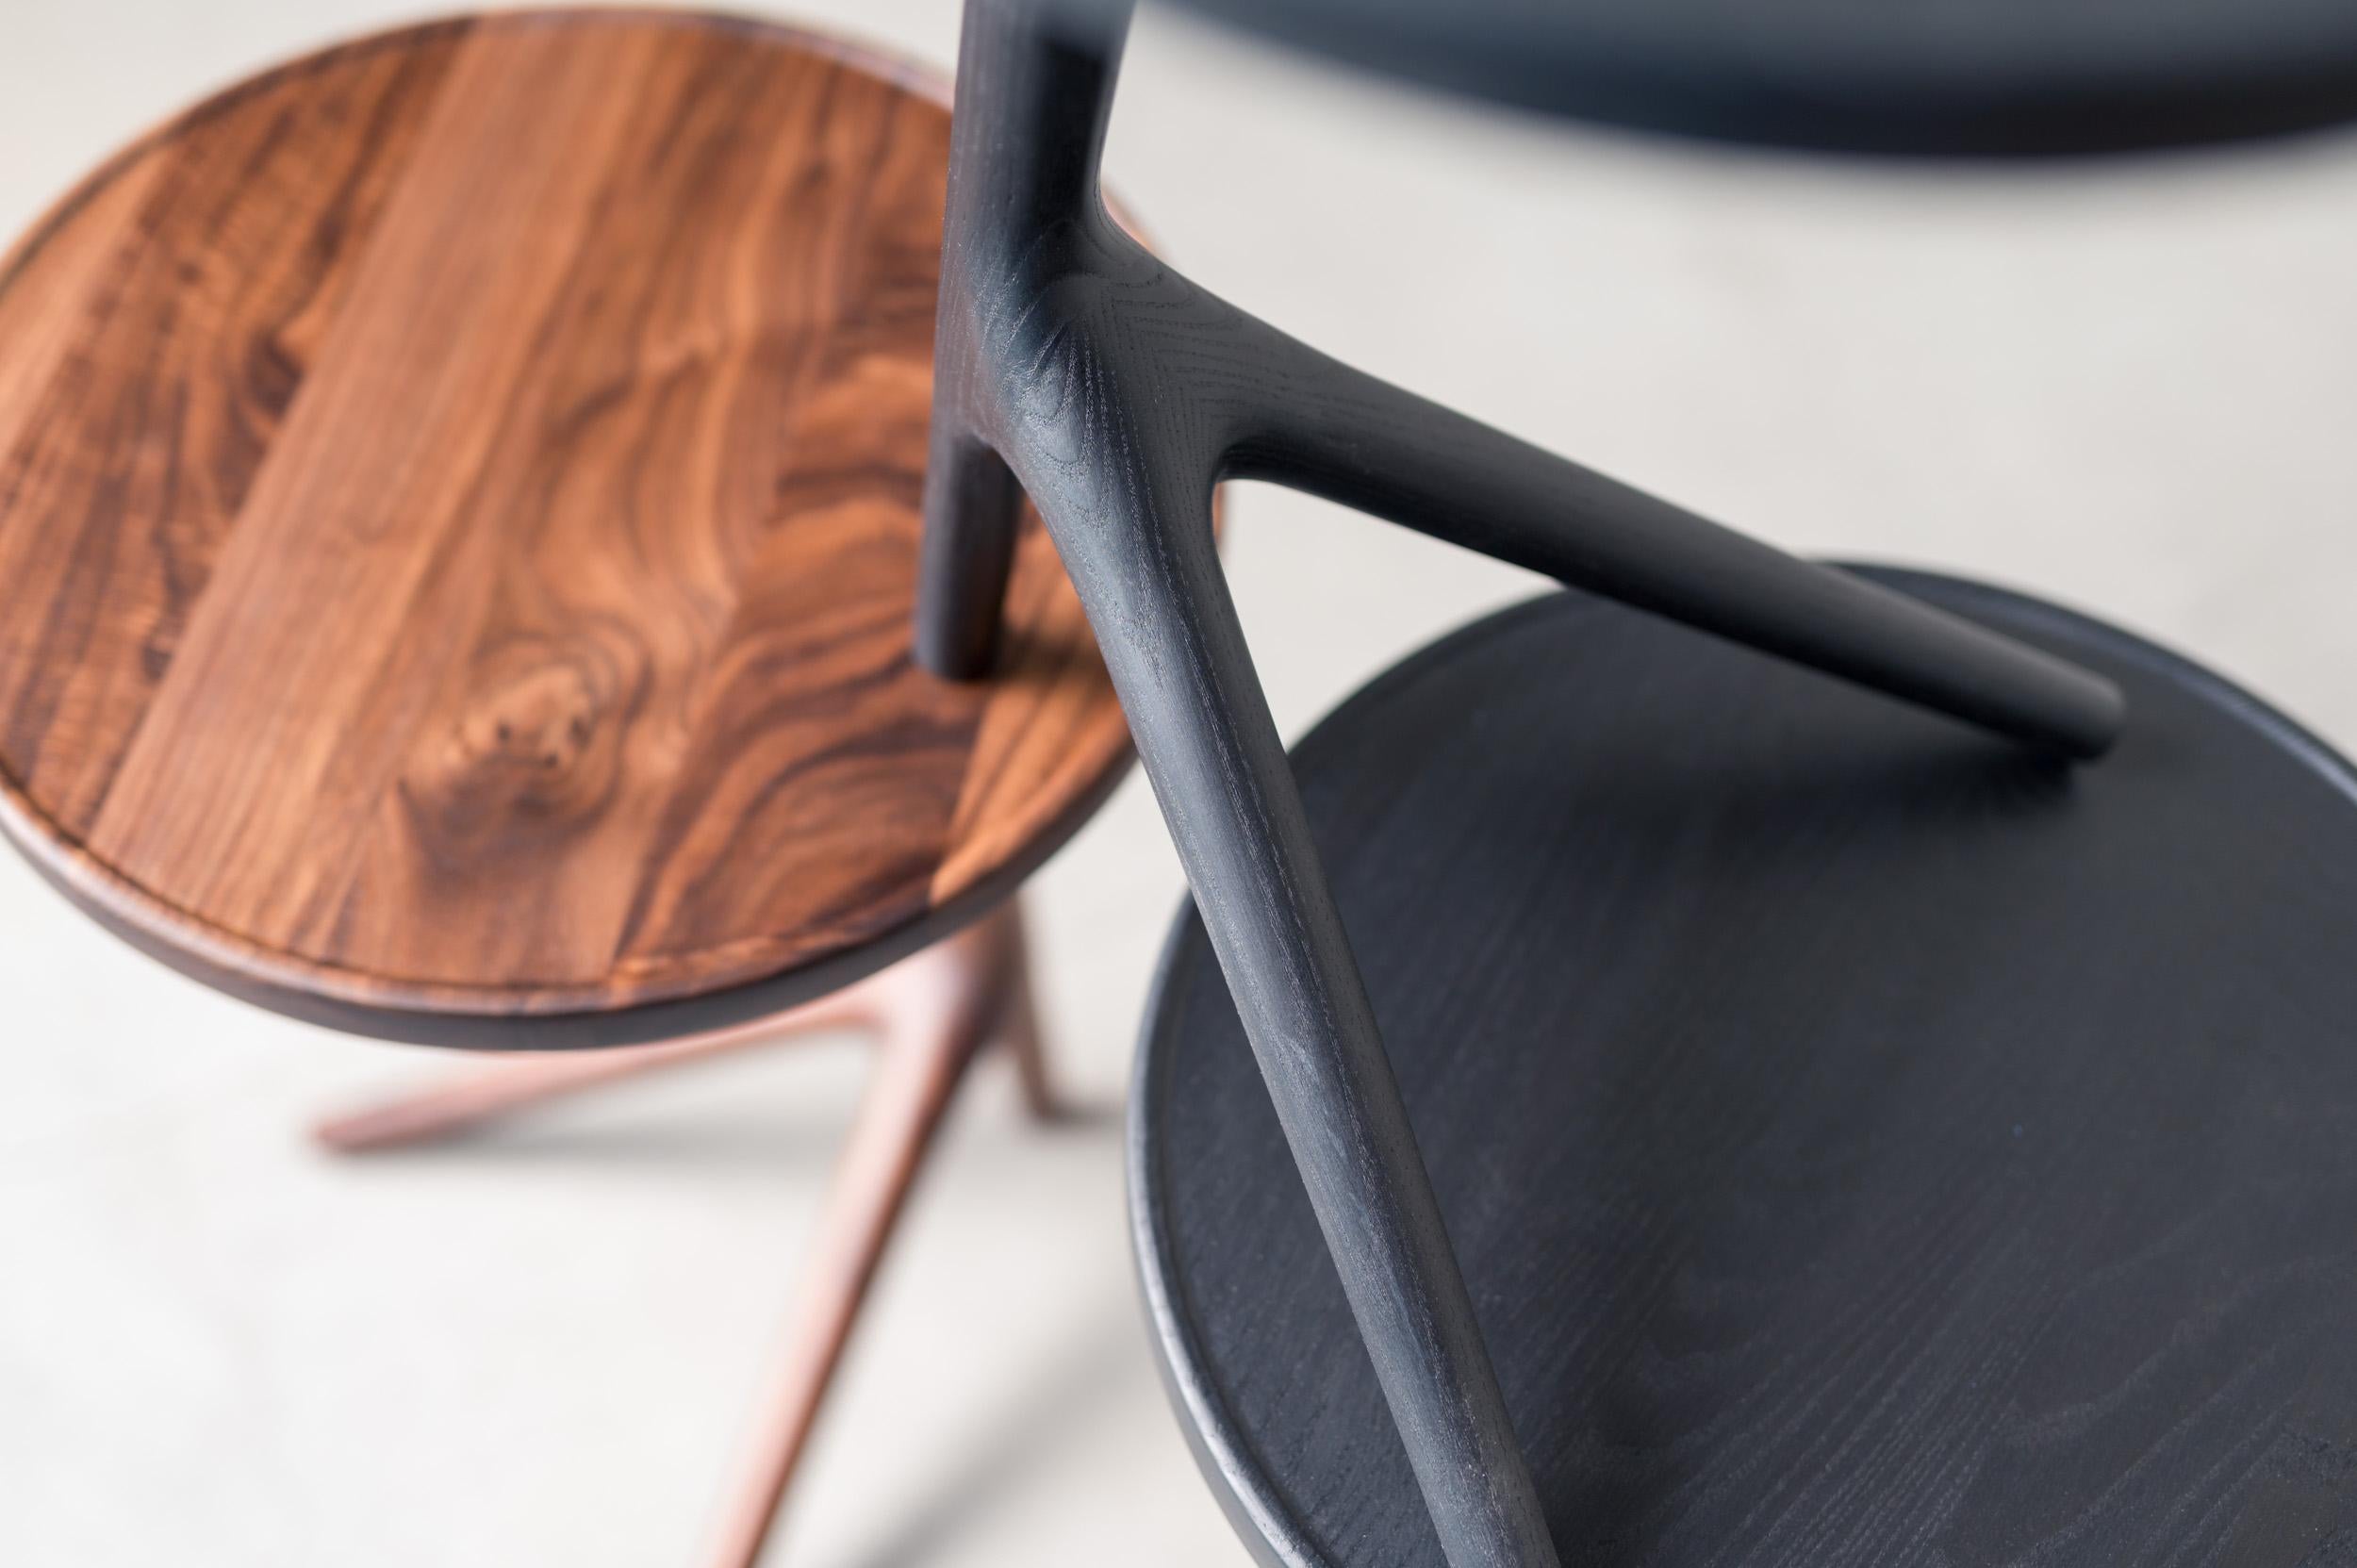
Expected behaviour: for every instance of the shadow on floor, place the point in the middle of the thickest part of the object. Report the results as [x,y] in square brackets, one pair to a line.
[1045,1422]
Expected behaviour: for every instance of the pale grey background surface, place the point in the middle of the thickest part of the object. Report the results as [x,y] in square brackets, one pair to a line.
[2132,387]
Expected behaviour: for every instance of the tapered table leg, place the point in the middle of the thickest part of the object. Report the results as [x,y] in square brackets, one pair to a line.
[920,1061]
[1144,562]
[1318,425]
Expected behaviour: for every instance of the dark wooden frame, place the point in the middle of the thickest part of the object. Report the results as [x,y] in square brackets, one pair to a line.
[1073,366]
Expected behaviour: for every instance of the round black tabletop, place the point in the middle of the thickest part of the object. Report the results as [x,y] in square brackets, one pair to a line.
[1866,1143]
[1940,77]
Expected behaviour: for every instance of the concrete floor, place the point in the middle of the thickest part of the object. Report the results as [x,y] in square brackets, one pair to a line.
[2132,387]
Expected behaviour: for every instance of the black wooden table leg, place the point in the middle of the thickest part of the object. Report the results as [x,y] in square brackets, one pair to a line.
[972,506]
[1144,562]
[1319,425]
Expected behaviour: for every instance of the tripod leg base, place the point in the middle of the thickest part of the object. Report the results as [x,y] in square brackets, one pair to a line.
[929,1016]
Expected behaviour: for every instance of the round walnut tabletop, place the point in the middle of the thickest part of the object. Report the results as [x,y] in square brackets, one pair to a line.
[458,524]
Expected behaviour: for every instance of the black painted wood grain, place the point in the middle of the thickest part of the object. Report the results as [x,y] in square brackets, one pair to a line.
[1073,366]
[1866,1144]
